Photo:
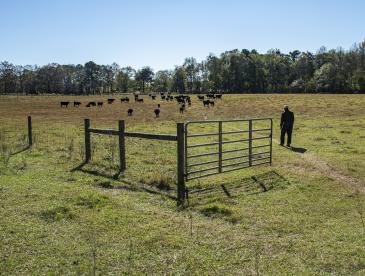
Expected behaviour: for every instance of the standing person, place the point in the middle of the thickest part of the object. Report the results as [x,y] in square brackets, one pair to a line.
[286,125]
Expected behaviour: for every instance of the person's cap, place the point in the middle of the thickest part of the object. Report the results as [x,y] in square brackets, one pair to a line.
[286,106]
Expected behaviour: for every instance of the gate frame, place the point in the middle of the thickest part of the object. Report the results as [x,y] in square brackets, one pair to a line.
[220,144]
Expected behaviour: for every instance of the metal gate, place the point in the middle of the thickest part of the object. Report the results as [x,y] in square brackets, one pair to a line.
[214,147]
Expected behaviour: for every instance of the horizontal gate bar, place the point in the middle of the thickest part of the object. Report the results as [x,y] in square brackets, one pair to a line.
[236,141]
[245,156]
[235,131]
[262,158]
[246,140]
[242,149]
[235,157]
[202,135]
[235,164]
[165,137]
[203,154]
[228,170]
[226,132]
[203,170]
[203,145]
[227,121]
[202,163]
[236,169]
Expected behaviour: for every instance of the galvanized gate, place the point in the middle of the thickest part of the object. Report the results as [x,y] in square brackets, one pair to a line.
[214,147]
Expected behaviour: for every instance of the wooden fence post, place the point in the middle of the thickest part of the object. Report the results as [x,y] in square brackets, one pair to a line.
[87,140]
[121,129]
[30,132]
[180,164]
[250,142]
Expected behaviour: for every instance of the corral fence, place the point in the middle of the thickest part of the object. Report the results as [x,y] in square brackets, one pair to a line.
[203,148]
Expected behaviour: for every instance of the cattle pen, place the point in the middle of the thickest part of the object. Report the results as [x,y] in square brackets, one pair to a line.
[216,145]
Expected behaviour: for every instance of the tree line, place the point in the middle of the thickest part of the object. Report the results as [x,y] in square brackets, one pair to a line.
[236,71]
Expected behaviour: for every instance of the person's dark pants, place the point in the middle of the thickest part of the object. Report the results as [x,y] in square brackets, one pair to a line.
[288,131]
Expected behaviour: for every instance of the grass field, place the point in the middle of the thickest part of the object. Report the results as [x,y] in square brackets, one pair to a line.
[304,215]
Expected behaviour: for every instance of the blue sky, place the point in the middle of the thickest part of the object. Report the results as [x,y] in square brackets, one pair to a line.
[162,33]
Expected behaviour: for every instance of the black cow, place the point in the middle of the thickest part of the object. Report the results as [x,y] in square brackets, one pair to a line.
[130,112]
[157,112]
[206,103]
[91,104]
[100,104]
[140,100]
[77,104]
[64,104]
[110,101]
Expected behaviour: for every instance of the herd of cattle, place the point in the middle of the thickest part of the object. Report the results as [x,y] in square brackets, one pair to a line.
[182,100]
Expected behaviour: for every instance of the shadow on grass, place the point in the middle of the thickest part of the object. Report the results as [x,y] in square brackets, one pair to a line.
[298,150]
[132,185]
[97,173]
[20,151]
[256,184]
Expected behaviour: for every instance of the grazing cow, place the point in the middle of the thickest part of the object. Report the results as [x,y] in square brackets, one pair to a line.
[110,101]
[91,104]
[153,97]
[201,98]
[100,104]
[140,100]
[77,104]
[211,103]
[125,99]
[218,96]
[157,112]
[64,104]
[158,105]
[182,109]
[130,112]
[206,103]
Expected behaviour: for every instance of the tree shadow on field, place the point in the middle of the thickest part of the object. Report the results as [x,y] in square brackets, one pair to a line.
[81,168]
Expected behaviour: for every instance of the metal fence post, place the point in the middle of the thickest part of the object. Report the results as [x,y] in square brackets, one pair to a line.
[180,164]
[271,133]
[30,132]
[121,129]
[87,140]
[220,151]
[250,142]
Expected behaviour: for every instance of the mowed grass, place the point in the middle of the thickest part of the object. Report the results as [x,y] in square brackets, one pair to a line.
[294,217]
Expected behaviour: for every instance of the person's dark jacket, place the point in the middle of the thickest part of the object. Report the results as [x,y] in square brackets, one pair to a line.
[287,119]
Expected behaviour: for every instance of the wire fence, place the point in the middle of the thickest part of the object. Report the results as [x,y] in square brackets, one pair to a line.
[148,161]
